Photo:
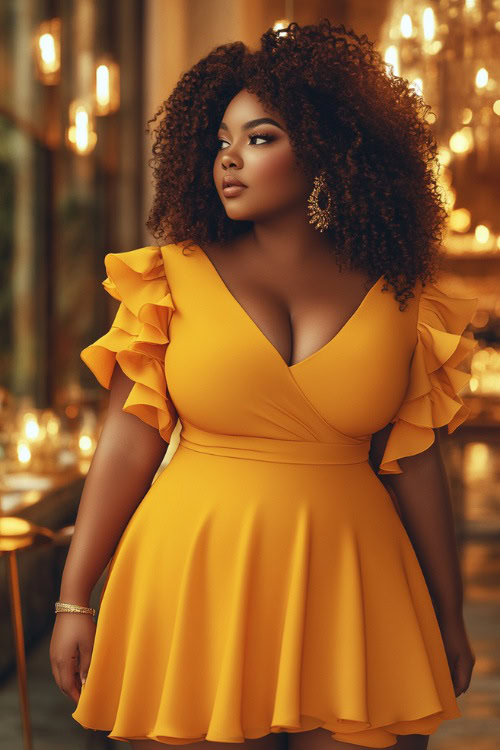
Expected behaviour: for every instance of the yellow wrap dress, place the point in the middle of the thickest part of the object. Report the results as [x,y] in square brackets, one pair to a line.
[265,582]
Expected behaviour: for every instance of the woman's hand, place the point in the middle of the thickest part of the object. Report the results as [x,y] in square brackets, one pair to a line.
[461,658]
[70,651]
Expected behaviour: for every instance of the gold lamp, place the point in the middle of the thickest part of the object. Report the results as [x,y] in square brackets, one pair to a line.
[17,534]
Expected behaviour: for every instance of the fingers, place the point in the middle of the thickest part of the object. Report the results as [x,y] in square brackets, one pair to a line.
[55,662]
[69,678]
[65,670]
[70,653]
[462,675]
[84,663]
[55,674]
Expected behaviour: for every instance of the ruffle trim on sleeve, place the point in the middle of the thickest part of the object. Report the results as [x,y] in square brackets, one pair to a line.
[432,398]
[138,336]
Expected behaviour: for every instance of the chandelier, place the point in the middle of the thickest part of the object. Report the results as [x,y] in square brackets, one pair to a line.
[449,51]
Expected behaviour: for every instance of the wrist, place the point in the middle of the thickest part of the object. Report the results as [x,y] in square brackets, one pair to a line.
[80,601]
[450,616]
[61,606]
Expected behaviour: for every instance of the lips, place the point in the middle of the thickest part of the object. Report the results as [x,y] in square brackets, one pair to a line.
[229,181]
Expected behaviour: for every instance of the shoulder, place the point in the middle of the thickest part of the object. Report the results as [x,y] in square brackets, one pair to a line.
[438,373]
[138,278]
[144,261]
[442,307]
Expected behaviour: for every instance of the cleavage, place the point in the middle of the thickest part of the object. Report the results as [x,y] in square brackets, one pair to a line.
[301,314]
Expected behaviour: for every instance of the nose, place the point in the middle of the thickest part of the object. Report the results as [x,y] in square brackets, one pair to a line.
[228,160]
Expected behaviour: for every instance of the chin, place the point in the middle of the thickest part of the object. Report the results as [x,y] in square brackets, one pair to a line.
[237,215]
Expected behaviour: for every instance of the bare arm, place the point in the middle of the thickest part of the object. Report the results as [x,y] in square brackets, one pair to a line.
[126,459]
[423,499]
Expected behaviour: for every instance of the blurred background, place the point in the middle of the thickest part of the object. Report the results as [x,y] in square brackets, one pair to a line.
[78,81]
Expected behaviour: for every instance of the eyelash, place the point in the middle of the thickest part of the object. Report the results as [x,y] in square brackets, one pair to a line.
[268,138]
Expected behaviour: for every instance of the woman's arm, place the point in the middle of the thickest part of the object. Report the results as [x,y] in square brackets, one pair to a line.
[126,459]
[423,499]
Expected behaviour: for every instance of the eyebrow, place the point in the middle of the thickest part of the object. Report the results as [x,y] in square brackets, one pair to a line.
[253,123]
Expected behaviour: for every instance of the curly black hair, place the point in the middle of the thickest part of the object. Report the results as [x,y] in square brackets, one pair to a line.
[347,115]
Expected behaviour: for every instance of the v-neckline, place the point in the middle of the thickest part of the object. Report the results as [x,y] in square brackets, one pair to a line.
[261,334]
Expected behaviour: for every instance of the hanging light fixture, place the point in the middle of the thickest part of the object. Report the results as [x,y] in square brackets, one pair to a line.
[287,19]
[80,134]
[107,86]
[47,51]
[449,52]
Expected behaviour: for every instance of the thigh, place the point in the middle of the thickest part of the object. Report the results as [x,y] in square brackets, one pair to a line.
[321,739]
[271,741]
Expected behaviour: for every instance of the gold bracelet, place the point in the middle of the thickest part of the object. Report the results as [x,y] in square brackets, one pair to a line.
[65,607]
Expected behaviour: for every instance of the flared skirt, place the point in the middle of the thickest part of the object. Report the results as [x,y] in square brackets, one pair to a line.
[247,597]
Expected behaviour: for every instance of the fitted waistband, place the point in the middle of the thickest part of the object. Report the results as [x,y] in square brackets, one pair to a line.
[270,449]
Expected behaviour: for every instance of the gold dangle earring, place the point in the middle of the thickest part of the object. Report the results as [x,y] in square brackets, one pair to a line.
[320,217]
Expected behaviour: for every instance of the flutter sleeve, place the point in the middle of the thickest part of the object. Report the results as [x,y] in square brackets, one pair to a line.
[138,336]
[432,397]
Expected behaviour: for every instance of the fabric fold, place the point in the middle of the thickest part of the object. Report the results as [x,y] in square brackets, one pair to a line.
[138,336]
[432,398]
[250,656]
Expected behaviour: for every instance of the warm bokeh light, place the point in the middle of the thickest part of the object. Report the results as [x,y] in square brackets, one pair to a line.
[53,426]
[461,141]
[429,24]
[477,461]
[391,57]
[281,23]
[406,26]
[102,84]
[31,428]
[481,78]
[85,443]
[47,51]
[417,86]
[23,452]
[460,220]
[482,233]
[466,115]
[107,87]
[444,155]
[485,371]
[80,134]
[47,45]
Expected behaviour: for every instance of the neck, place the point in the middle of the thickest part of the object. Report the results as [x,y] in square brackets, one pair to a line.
[290,238]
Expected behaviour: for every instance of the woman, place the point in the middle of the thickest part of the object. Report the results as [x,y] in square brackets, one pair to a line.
[269,585]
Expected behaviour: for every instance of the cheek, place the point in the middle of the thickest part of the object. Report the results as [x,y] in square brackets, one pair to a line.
[276,168]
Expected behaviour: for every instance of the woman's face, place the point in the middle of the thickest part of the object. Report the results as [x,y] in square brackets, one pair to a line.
[260,156]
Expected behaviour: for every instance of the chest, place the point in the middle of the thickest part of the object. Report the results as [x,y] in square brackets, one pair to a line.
[298,307]
[224,371]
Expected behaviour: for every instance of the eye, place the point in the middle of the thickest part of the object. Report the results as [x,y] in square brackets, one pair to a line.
[267,138]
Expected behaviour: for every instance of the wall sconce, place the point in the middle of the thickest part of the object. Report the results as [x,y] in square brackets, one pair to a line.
[281,23]
[47,51]
[107,86]
[80,135]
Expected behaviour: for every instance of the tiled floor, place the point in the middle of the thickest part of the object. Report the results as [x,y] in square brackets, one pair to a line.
[478,729]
